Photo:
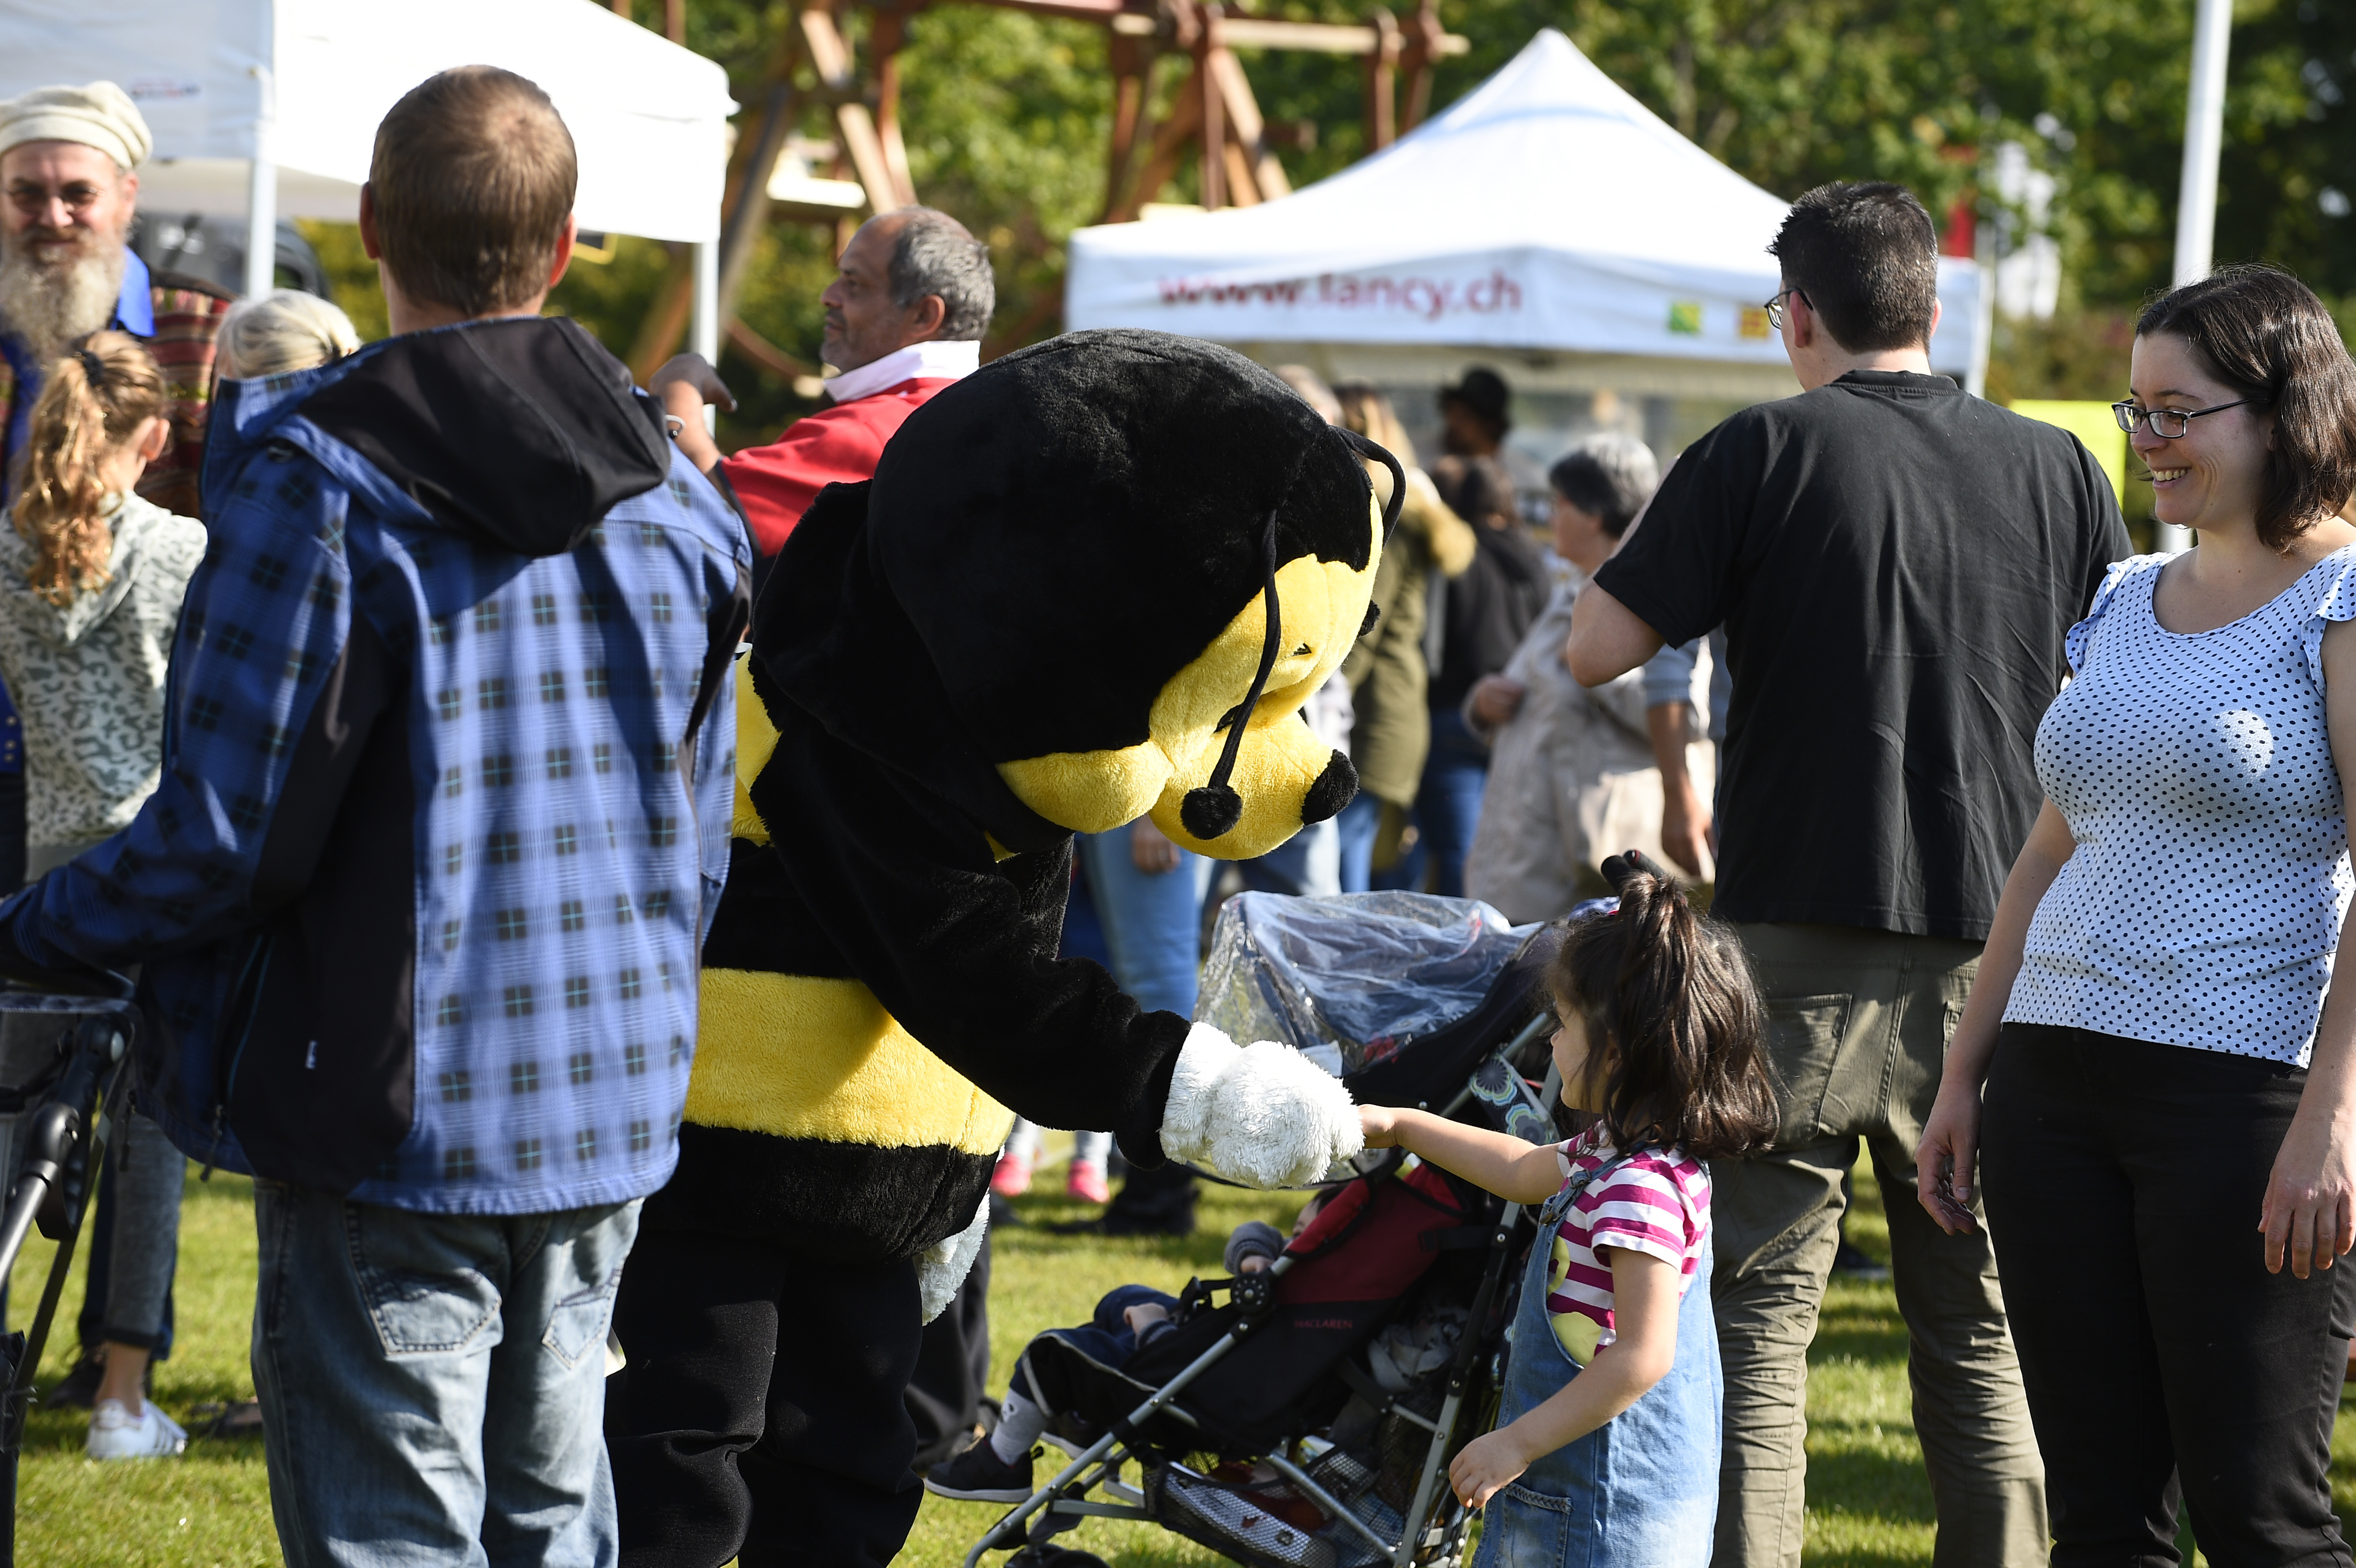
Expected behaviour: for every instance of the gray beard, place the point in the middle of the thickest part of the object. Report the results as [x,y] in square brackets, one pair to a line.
[49,306]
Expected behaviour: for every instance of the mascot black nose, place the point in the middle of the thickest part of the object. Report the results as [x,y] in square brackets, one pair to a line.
[1334,788]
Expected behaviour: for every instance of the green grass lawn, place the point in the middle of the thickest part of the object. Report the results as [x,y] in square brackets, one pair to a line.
[1869,1504]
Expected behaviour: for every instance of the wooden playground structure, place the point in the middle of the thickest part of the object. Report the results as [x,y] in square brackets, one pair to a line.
[1213,117]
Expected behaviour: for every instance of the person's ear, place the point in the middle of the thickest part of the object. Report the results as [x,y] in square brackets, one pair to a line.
[370,243]
[564,250]
[928,314]
[153,436]
[1801,316]
[1937,310]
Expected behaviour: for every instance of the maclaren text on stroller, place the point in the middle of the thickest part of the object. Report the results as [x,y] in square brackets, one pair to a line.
[1308,1421]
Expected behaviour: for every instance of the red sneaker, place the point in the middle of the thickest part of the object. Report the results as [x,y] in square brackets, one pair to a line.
[1088,1180]
[1012,1177]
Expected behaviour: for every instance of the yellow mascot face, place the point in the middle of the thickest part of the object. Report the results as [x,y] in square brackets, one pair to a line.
[1131,559]
[1283,776]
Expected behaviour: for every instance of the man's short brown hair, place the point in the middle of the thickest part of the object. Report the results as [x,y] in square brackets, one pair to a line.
[472,180]
[1867,257]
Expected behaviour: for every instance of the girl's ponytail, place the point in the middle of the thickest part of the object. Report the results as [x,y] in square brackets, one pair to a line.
[1671,997]
[95,398]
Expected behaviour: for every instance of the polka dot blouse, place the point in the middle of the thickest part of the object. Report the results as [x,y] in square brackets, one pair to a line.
[2203,900]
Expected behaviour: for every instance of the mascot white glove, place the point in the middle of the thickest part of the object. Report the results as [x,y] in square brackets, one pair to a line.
[1260,1114]
[941,1268]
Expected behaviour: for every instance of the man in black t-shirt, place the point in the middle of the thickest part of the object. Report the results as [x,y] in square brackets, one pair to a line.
[1895,564]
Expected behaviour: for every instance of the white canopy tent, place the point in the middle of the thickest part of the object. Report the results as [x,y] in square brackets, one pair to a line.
[1547,212]
[264,107]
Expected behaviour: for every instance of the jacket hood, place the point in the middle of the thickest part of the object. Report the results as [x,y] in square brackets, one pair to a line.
[521,431]
[63,626]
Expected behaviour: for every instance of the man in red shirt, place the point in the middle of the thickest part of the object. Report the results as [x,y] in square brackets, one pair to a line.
[905,317]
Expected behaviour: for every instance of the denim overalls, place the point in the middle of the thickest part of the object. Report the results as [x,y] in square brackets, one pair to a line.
[1640,1491]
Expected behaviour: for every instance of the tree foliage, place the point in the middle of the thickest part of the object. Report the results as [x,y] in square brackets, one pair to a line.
[1006,117]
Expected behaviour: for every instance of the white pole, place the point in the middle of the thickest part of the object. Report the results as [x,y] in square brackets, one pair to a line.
[261,192]
[703,330]
[2196,197]
[1984,320]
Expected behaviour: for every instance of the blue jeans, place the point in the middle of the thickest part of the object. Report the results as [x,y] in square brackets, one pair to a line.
[1447,810]
[1309,862]
[1153,919]
[1356,828]
[434,1385]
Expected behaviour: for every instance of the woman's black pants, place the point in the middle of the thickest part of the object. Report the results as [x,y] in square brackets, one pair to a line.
[2163,1363]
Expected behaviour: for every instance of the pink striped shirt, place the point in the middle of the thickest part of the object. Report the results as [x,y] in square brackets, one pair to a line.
[1658,1203]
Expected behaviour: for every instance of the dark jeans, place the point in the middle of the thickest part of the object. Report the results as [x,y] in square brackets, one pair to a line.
[1105,1337]
[762,1414]
[1447,810]
[2163,1362]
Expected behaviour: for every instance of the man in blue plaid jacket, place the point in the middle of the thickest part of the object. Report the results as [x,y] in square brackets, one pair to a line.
[442,817]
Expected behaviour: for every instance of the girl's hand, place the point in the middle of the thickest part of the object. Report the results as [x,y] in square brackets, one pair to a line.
[2310,1204]
[1486,1466]
[1379,1123]
[1947,1160]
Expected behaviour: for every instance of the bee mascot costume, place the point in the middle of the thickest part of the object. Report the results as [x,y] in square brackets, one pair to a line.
[1096,580]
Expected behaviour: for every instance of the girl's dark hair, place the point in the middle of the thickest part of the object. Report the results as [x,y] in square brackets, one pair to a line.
[2264,333]
[1671,995]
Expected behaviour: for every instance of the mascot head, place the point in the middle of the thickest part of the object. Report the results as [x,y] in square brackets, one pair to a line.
[1124,560]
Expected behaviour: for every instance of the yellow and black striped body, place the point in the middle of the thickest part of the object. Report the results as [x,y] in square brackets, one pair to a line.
[812,1113]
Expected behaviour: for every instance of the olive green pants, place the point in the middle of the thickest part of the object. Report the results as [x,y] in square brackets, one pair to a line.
[1858,1024]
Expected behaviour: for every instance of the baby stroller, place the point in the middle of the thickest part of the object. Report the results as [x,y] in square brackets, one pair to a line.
[1305,1417]
[62,1083]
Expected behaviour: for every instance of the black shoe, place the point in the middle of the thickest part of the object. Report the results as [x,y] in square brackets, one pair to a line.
[1113,1224]
[980,1476]
[78,1390]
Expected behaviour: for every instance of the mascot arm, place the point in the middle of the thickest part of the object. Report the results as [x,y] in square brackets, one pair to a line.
[959,948]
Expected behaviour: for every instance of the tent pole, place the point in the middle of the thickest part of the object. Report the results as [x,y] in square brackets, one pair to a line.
[1982,328]
[703,336]
[2196,198]
[261,192]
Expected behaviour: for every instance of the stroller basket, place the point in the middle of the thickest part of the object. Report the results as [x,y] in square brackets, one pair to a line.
[1251,1513]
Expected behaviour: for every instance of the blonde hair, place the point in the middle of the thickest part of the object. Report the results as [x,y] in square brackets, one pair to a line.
[283,331]
[1367,411]
[95,402]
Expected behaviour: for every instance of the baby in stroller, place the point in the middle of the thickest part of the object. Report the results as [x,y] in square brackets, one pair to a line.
[997,1469]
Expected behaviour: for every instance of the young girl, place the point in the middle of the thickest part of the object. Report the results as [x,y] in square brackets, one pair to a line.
[1607,1447]
[90,582]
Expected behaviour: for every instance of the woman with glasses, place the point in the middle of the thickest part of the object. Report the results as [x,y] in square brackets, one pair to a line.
[2154,1071]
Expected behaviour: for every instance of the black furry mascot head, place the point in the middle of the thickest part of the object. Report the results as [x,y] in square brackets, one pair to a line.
[1093,582]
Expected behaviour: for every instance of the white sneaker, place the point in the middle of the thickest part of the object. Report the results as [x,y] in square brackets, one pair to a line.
[116,1434]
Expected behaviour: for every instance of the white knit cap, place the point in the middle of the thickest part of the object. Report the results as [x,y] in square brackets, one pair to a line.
[100,116]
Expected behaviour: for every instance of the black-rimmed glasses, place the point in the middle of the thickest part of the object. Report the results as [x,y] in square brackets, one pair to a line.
[1775,308]
[2168,424]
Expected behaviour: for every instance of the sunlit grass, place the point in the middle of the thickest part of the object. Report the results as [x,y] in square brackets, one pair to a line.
[1869,1503]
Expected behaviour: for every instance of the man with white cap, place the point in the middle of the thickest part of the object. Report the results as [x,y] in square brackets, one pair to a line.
[67,163]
